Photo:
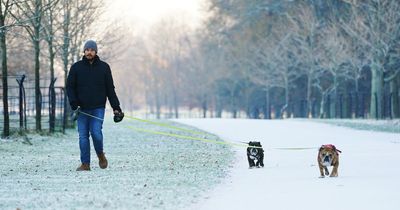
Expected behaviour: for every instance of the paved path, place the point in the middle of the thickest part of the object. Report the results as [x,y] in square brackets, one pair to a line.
[368,172]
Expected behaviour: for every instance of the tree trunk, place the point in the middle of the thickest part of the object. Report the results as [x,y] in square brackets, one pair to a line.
[376,91]
[285,111]
[52,113]
[218,107]
[38,97]
[322,107]
[3,46]
[176,105]
[356,99]
[158,103]
[36,44]
[267,104]
[233,104]
[65,53]
[204,106]
[394,90]
[333,107]
[308,101]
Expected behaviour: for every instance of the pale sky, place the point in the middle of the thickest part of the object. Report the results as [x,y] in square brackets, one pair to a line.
[147,12]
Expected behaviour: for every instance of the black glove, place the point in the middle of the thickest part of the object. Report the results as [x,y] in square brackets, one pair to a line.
[74,105]
[118,116]
[75,113]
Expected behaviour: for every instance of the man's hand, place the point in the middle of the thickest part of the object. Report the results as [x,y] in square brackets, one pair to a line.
[118,116]
[75,113]
[74,105]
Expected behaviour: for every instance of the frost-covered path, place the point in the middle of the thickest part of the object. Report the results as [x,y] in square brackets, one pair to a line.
[368,173]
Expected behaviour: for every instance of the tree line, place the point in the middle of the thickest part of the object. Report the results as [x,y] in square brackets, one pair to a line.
[265,58]
[262,57]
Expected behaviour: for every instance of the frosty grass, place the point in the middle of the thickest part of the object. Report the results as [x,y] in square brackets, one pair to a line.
[146,171]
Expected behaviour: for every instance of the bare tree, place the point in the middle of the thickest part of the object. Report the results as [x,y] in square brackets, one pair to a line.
[168,46]
[51,27]
[307,38]
[375,24]
[5,7]
[30,14]
[335,54]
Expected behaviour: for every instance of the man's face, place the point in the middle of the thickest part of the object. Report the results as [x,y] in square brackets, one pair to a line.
[90,53]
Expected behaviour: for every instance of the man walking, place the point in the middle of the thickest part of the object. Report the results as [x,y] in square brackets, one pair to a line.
[89,84]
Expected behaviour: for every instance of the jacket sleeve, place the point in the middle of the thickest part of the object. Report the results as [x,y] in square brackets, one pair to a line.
[71,88]
[111,95]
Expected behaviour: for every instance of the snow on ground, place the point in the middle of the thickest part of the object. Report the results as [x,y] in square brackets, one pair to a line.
[368,173]
[148,171]
[145,171]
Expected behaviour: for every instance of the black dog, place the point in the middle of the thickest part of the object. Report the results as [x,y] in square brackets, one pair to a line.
[255,152]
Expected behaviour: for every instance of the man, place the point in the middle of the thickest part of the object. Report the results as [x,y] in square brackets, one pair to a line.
[89,84]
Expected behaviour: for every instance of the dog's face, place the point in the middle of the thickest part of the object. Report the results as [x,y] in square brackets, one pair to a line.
[255,154]
[253,150]
[326,156]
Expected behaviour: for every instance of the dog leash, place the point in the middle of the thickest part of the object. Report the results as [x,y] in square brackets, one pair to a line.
[174,135]
[239,144]
[190,137]
[295,148]
[152,122]
[166,125]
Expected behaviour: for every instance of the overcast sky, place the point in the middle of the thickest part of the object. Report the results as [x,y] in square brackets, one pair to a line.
[145,13]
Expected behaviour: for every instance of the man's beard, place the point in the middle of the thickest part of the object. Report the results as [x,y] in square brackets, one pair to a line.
[89,57]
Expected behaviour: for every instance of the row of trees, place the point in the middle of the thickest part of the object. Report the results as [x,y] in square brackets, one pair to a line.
[270,53]
[48,32]
[260,57]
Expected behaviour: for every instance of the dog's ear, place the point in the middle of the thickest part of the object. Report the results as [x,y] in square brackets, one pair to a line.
[334,148]
[321,148]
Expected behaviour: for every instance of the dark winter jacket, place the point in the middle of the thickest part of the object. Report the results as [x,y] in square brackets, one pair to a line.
[89,85]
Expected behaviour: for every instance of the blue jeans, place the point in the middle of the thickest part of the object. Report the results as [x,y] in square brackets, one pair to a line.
[89,126]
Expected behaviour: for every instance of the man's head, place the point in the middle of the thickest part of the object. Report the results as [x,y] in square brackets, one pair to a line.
[90,49]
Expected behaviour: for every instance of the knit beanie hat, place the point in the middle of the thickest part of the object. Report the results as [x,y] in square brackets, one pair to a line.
[90,44]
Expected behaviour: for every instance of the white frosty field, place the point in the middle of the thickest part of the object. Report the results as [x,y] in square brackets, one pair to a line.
[148,171]
[145,171]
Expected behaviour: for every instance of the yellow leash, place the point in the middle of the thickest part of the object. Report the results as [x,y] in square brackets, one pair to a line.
[190,131]
[189,137]
[295,148]
[166,125]
[171,134]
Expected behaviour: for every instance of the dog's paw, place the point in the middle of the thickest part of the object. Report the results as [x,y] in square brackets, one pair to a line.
[251,167]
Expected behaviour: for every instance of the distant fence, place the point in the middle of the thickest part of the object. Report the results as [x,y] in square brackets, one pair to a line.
[21,105]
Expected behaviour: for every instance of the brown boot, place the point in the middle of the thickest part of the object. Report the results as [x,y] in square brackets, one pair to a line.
[102,160]
[84,167]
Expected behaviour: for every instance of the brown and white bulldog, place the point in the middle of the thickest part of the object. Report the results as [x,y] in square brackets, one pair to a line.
[328,155]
